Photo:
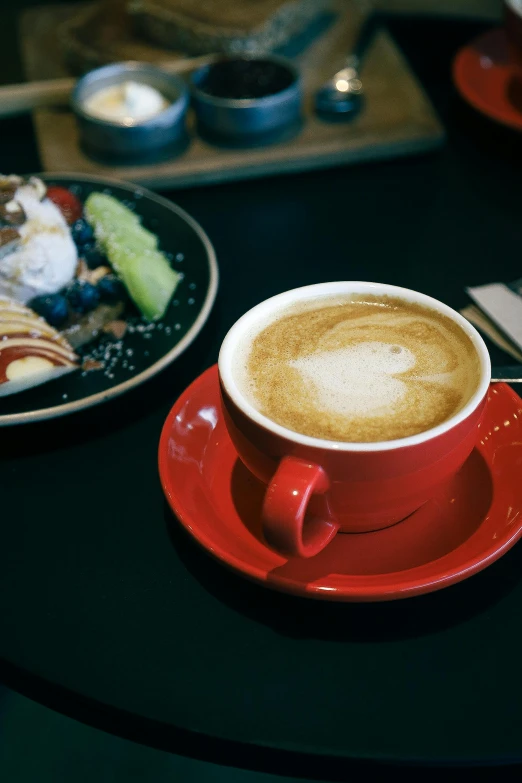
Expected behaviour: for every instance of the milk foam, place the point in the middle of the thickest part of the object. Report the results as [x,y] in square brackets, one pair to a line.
[360,369]
[358,380]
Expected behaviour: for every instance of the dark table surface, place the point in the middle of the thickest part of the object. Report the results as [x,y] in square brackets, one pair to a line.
[110,614]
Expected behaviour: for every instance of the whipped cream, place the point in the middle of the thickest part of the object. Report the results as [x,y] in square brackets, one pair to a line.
[128,103]
[45,259]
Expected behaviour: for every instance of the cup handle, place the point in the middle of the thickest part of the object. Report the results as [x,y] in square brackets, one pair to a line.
[287,526]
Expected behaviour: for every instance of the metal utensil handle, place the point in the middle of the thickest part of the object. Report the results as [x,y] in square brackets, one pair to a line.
[364,39]
[352,62]
[509,374]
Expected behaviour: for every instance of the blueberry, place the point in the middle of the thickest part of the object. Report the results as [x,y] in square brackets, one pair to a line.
[110,289]
[52,307]
[93,257]
[81,232]
[83,296]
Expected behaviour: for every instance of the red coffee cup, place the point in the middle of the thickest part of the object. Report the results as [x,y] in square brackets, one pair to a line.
[316,487]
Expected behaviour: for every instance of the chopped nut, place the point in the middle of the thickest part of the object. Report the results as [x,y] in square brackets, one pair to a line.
[91,276]
[92,364]
[8,235]
[82,270]
[95,275]
[7,192]
[9,241]
[13,179]
[116,328]
[8,186]
[12,213]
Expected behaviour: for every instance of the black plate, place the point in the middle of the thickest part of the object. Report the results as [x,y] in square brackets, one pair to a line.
[145,349]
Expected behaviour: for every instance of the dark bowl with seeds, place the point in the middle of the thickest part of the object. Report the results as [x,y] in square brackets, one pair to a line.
[247,97]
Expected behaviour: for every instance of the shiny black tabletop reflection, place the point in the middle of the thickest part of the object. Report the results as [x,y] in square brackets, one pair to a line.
[109,613]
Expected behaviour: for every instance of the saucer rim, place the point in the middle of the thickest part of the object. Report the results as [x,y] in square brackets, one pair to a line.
[364,587]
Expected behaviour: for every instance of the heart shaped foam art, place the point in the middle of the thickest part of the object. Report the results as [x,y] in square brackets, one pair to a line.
[360,379]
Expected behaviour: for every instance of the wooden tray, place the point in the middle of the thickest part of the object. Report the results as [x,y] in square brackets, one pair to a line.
[397,120]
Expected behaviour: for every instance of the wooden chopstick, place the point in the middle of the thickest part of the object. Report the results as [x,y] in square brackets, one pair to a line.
[21,98]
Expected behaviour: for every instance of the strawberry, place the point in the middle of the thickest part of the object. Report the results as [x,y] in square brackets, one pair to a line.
[66,202]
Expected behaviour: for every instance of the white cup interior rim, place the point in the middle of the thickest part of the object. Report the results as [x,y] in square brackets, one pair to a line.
[270,306]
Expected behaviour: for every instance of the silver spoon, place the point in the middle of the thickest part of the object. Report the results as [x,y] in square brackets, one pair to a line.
[343,94]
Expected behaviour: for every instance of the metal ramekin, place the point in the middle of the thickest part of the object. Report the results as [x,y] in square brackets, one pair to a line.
[117,139]
[247,117]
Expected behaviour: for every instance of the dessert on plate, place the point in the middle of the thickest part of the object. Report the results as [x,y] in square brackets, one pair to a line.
[68,273]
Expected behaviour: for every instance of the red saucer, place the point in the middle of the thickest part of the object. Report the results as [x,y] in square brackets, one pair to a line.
[470,524]
[483,75]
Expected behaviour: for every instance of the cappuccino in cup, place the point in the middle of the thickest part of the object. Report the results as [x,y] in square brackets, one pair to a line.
[356,368]
[353,402]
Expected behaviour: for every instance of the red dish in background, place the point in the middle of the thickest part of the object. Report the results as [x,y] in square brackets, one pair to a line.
[484,75]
